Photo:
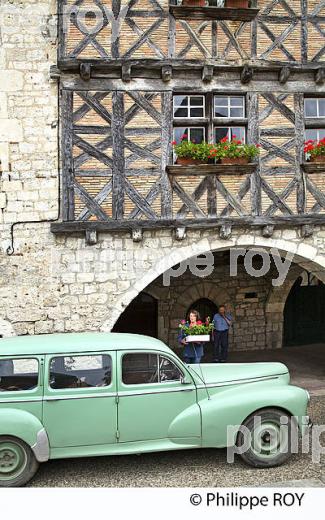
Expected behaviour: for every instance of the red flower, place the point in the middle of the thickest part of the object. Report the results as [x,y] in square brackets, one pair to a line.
[174,143]
[224,140]
[234,136]
[258,146]
[184,136]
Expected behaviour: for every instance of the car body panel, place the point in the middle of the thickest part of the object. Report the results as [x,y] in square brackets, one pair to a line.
[80,416]
[167,409]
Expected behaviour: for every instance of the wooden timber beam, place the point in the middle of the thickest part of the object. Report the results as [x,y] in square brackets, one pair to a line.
[284,75]
[198,223]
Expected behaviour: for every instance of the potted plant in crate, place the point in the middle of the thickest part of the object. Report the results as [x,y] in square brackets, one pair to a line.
[315,150]
[190,152]
[197,333]
[234,151]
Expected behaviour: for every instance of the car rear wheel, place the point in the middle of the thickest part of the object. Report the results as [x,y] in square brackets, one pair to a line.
[18,464]
[267,441]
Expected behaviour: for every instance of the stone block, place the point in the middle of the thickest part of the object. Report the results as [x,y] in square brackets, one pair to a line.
[11,80]
[10,130]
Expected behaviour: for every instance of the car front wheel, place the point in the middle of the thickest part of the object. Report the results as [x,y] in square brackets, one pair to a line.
[18,464]
[265,440]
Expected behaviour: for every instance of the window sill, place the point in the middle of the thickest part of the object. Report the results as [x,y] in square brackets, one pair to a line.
[213,13]
[211,169]
[313,167]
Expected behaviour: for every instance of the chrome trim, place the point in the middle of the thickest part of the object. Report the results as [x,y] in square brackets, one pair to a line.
[84,396]
[21,400]
[164,391]
[41,448]
[237,382]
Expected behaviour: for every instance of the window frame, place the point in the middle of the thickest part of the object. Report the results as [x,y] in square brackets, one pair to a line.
[316,123]
[189,106]
[35,389]
[158,354]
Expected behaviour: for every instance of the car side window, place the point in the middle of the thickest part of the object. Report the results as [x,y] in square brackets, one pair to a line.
[86,371]
[142,368]
[18,374]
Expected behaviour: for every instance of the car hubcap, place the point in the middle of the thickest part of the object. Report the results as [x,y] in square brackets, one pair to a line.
[269,439]
[13,460]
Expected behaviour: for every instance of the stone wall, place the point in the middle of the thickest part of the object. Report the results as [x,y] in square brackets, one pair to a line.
[28,114]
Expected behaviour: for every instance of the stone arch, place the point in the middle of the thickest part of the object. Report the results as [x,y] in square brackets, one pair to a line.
[200,290]
[305,255]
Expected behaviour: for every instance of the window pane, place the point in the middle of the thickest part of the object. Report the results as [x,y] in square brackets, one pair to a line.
[311,133]
[196,101]
[310,107]
[168,371]
[138,369]
[238,132]
[180,100]
[220,133]
[220,101]
[18,374]
[237,101]
[197,135]
[221,111]
[180,112]
[321,107]
[179,132]
[196,112]
[80,371]
[321,133]
[236,112]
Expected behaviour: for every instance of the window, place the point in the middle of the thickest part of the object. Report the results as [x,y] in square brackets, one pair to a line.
[314,109]
[18,374]
[80,371]
[204,115]
[195,134]
[140,368]
[189,107]
[316,134]
[229,106]
[231,132]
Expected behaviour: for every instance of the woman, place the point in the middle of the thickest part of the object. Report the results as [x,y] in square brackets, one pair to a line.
[193,352]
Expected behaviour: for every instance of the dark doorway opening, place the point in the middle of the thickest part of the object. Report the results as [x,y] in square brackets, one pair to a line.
[304,314]
[140,317]
[205,308]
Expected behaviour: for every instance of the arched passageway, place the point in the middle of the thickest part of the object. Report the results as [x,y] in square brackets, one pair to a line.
[140,317]
[304,313]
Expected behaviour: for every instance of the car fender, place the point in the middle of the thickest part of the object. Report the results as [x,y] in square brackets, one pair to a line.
[231,406]
[25,426]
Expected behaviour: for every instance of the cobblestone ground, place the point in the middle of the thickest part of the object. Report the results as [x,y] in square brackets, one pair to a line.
[191,468]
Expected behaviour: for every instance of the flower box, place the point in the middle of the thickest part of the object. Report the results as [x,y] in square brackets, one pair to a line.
[197,338]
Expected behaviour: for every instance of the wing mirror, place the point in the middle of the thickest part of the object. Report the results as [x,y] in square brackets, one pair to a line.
[184,381]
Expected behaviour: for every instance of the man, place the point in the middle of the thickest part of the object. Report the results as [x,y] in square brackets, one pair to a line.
[222,322]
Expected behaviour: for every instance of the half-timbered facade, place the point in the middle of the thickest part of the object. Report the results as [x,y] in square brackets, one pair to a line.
[124,66]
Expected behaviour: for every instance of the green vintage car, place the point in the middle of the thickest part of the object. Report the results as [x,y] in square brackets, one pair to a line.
[91,394]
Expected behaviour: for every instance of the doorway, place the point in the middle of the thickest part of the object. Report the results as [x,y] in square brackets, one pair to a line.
[304,314]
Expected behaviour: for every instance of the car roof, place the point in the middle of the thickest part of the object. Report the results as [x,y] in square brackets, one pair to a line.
[77,342]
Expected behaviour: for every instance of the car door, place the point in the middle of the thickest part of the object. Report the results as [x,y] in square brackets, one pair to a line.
[80,399]
[156,399]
